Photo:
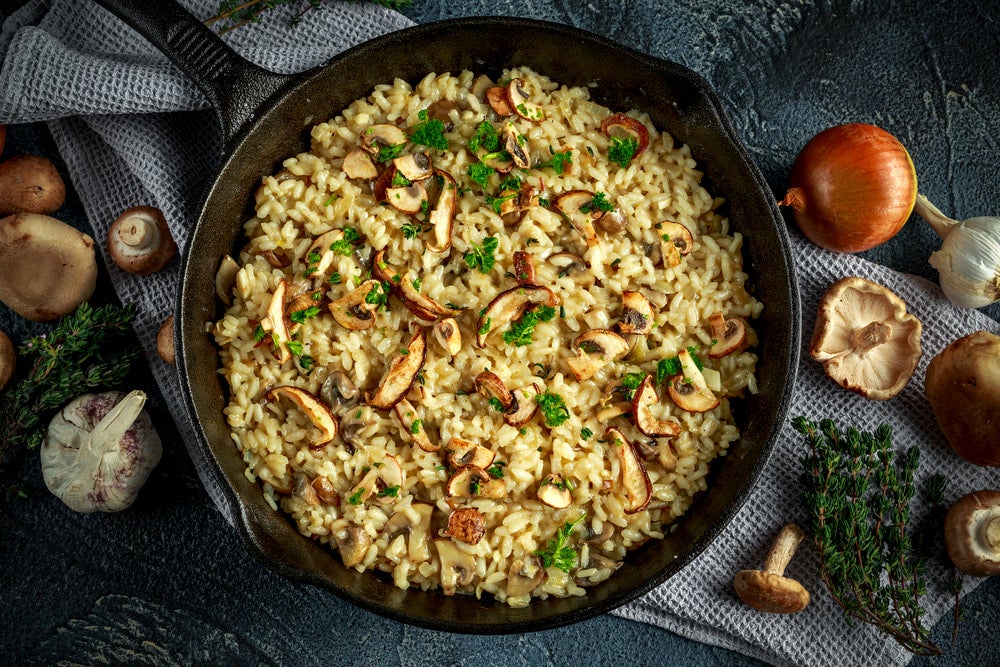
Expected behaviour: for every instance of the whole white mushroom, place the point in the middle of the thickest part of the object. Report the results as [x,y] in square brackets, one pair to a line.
[99,451]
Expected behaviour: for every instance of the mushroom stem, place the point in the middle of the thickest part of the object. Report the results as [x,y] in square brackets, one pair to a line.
[137,232]
[783,549]
[992,533]
[870,336]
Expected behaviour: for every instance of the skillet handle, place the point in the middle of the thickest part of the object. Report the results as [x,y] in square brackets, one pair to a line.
[237,88]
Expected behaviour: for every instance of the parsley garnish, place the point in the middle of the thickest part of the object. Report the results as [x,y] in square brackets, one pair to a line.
[485,329]
[412,230]
[300,316]
[429,132]
[400,181]
[521,332]
[556,552]
[259,334]
[558,161]
[389,491]
[509,184]
[378,296]
[621,150]
[345,246]
[553,408]
[496,470]
[598,203]
[481,257]
[386,153]
[480,173]
[355,498]
[306,362]
[295,346]
[416,284]
[630,383]
[496,202]
[415,426]
[335,278]
[672,365]
[330,200]
[586,433]
[496,404]
[484,137]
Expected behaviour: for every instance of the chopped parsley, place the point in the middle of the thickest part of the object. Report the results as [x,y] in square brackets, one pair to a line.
[306,362]
[621,150]
[416,284]
[330,200]
[480,173]
[300,316]
[672,365]
[521,332]
[317,295]
[509,184]
[412,230]
[429,132]
[389,492]
[556,552]
[355,498]
[296,347]
[345,246]
[415,426]
[496,202]
[630,383]
[378,296]
[496,470]
[484,137]
[598,203]
[485,329]
[386,153]
[481,257]
[586,433]
[335,278]
[400,181]
[496,404]
[259,334]
[553,408]
[474,486]
[557,162]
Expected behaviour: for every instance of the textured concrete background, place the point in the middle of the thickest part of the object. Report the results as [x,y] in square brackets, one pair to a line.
[169,582]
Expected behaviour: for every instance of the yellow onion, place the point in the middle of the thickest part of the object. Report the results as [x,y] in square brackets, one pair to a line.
[851,188]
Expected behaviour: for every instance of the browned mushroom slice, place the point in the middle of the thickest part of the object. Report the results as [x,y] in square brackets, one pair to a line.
[569,204]
[381,482]
[609,412]
[675,241]
[612,222]
[276,323]
[524,576]
[638,488]
[466,524]
[518,98]
[619,124]
[301,303]
[410,199]
[595,349]
[497,160]
[509,306]
[689,391]
[382,135]
[353,544]
[474,482]
[414,166]
[496,97]
[490,385]
[515,144]
[448,335]
[458,568]
[554,492]
[526,406]
[524,268]
[441,110]
[645,397]
[442,216]
[381,185]
[729,335]
[418,528]
[467,453]
[402,372]
[637,313]
[513,209]
[325,491]
[358,164]
[480,85]
[352,311]
[312,408]
[413,425]
[225,277]
[320,256]
[401,285]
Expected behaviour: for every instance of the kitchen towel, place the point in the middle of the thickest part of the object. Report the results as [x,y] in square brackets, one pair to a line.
[132,130]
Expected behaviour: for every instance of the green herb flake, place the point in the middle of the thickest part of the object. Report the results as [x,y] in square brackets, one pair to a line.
[485,329]
[412,230]
[300,316]
[306,362]
[295,346]
[259,334]
[485,137]
[481,256]
[335,278]
[355,498]
[430,133]
[621,150]
[630,383]
[553,408]
[345,245]
[387,153]
[415,426]
[522,331]
[389,492]
[400,181]
[330,200]
[586,433]
[557,553]
[558,162]
[496,404]
[416,284]
[598,203]
[496,470]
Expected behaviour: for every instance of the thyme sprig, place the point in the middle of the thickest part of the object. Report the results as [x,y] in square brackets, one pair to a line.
[858,494]
[83,352]
[233,14]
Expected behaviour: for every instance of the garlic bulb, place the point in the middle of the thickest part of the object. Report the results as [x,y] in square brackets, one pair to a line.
[99,451]
[969,259]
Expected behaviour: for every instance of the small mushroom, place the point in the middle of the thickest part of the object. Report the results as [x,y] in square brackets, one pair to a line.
[442,216]
[728,334]
[463,453]
[301,488]
[767,589]
[313,408]
[637,313]
[225,277]
[595,349]
[524,576]
[619,124]
[554,492]
[490,385]
[480,85]
[139,240]
[414,166]
[466,524]
[473,482]
[675,242]
[972,533]
[496,97]
[276,324]
[524,268]
[382,481]
[865,339]
[322,247]
[612,222]
[276,258]
[382,135]
[8,359]
[414,521]
[514,143]
[358,164]
[448,335]
[413,426]
[570,205]
[401,284]
[642,401]
[638,488]
[325,491]
[519,102]
[339,390]
[689,391]
[350,426]
[382,183]
[401,373]
[352,543]
[524,397]
[509,306]
[165,340]
[441,110]
[409,199]
[29,184]
[353,310]
[58,259]
[458,567]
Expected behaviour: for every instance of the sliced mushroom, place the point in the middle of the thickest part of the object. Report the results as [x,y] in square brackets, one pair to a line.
[458,568]
[441,110]
[319,270]
[276,258]
[442,216]
[728,335]
[352,311]
[353,544]
[490,385]
[224,279]
[513,209]
[620,124]
[480,85]
[448,335]
[414,166]
[515,144]
[276,323]
[338,389]
[380,186]
[638,488]
[358,164]
[518,98]
[466,524]
[325,492]
[351,424]
[666,457]
[612,222]
[524,576]
[689,391]
[524,397]
[675,241]
[524,268]
[383,482]
[401,285]
[569,204]
[473,482]
[303,489]
[463,453]
[609,412]
[574,266]
[645,397]
[418,529]
[313,408]
[496,97]
[554,492]
[413,425]
[382,135]
[410,199]
[401,373]
[637,313]
[595,349]
[509,306]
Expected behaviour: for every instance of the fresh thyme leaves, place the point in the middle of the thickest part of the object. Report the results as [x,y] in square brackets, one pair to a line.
[83,352]
[858,496]
[557,162]
[429,132]
[232,14]
[556,552]
[345,246]
[598,203]
[671,366]
[481,256]
[480,173]
[621,150]
[521,332]
[553,408]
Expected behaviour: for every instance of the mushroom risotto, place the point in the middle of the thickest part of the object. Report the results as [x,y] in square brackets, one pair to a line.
[484,336]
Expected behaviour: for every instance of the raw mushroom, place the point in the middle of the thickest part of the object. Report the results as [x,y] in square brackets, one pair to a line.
[58,259]
[139,240]
[729,335]
[458,567]
[642,401]
[638,488]
[865,339]
[524,576]
[972,533]
[509,306]
[165,340]
[689,390]
[99,451]
[312,408]
[442,216]
[675,242]
[466,524]
[401,373]
[448,336]
[352,543]
[554,492]
[8,359]
[29,184]
[637,313]
[358,164]
[767,589]
[595,349]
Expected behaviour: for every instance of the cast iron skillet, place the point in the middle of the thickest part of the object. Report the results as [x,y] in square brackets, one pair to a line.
[265,118]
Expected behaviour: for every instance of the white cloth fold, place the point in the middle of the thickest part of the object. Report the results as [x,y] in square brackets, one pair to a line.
[133,130]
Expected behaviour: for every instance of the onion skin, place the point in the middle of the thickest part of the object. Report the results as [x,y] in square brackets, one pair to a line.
[852,188]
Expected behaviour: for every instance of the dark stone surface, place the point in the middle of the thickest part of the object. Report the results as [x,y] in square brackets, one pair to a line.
[168,581]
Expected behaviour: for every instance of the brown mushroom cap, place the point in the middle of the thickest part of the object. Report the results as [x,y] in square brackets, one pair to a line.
[139,240]
[865,339]
[165,340]
[972,533]
[768,590]
[47,268]
[8,359]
